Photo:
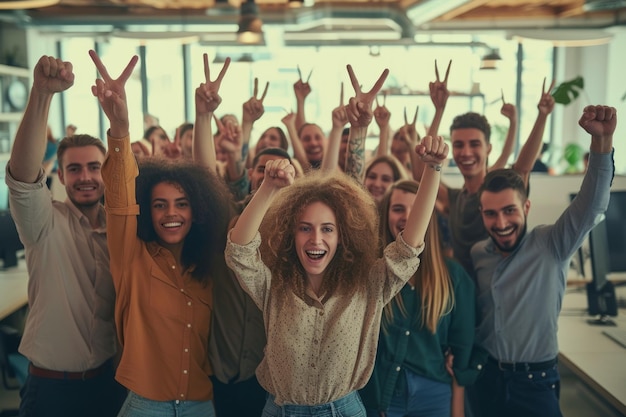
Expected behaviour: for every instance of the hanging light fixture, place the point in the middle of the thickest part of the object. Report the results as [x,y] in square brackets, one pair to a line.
[250,25]
[490,61]
[294,4]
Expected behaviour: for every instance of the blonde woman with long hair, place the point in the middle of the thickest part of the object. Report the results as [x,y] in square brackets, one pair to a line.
[430,318]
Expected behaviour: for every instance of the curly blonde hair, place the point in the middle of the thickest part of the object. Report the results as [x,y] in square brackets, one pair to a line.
[357,222]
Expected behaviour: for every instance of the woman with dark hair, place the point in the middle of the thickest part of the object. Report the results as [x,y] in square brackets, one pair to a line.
[432,316]
[381,172]
[166,225]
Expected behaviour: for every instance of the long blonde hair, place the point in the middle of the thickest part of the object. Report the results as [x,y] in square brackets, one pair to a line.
[432,279]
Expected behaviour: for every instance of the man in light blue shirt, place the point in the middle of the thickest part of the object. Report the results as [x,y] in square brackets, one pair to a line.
[521,279]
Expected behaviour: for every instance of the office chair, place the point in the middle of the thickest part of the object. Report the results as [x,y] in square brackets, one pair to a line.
[13,365]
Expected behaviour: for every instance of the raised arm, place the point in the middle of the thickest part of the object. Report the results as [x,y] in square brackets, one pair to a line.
[439,95]
[279,173]
[433,152]
[600,123]
[207,100]
[359,112]
[252,111]
[509,111]
[340,119]
[302,89]
[289,120]
[532,146]
[382,116]
[50,76]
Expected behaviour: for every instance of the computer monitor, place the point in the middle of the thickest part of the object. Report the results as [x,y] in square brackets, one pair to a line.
[10,242]
[607,254]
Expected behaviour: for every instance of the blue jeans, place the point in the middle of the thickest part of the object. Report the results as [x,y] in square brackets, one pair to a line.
[138,406]
[419,397]
[347,406]
[516,393]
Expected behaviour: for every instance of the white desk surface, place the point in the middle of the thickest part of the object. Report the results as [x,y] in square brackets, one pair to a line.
[13,289]
[598,360]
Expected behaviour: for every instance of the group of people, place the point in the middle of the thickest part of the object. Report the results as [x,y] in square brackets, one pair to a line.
[229,281]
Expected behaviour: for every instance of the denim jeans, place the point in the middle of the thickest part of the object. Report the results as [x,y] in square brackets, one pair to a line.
[419,397]
[347,406]
[138,406]
[517,393]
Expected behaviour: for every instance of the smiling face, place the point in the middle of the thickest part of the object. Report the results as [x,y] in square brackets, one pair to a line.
[400,203]
[313,139]
[504,216]
[80,173]
[269,139]
[470,151]
[316,239]
[171,214]
[186,143]
[378,179]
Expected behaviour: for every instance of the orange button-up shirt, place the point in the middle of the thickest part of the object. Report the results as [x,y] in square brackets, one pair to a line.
[162,315]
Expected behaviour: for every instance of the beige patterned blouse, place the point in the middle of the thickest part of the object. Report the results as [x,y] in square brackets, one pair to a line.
[320,351]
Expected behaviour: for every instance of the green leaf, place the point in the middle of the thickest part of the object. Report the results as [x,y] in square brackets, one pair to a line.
[568,91]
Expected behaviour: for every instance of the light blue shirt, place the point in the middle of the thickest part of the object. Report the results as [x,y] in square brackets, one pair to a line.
[519,297]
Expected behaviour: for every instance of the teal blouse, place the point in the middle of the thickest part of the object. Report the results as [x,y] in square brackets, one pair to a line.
[404,345]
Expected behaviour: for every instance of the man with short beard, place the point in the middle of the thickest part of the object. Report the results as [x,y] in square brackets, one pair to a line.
[521,279]
[69,336]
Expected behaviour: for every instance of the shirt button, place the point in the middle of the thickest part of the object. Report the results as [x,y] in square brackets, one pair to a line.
[530,376]
[117,149]
[407,333]
[188,324]
[182,290]
[173,266]
[543,374]
[186,350]
[182,395]
[321,313]
[177,402]
[188,303]
[184,371]
[398,369]
[479,367]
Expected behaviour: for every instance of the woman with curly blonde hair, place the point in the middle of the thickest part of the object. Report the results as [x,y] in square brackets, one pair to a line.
[319,283]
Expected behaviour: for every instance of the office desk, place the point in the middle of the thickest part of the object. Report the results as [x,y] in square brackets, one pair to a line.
[595,358]
[13,289]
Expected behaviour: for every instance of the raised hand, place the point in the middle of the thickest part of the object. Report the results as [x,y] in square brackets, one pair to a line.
[230,135]
[289,119]
[382,114]
[52,75]
[439,93]
[302,88]
[339,116]
[207,94]
[359,109]
[111,94]
[599,121]
[546,102]
[508,110]
[433,151]
[253,109]
[278,173]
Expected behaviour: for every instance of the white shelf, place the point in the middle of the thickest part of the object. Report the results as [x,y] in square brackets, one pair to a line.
[10,117]
[15,71]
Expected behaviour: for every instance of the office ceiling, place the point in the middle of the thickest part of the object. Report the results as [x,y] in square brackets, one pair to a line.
[378,17]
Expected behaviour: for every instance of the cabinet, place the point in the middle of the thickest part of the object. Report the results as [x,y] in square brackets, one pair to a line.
[14,83]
